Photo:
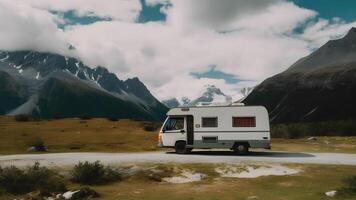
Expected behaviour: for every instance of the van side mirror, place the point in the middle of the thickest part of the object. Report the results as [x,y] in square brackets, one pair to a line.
[182,131]
[163,130]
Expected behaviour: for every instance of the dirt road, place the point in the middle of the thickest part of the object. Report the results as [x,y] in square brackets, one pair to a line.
[65,159]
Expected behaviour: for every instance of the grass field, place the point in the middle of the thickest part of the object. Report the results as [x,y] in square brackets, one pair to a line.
[102,135]
[309,184]
[321,144]
[76,135]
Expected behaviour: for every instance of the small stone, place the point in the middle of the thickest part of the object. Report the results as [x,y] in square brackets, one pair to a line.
[252,197]
[312,139]
[31,149]
[331,193]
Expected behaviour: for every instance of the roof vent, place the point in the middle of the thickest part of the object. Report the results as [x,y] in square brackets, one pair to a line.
[237,104]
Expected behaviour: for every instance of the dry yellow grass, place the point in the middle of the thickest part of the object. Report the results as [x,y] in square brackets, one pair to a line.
[321,144]
[310,184]
[76,135]
[102,135]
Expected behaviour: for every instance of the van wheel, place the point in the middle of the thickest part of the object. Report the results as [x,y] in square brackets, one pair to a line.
[241,148]
[181,147]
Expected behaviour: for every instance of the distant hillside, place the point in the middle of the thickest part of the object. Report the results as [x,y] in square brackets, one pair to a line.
[50,85]
[319,87]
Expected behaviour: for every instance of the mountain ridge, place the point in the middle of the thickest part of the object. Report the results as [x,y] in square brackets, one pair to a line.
[35,71]
[318,87]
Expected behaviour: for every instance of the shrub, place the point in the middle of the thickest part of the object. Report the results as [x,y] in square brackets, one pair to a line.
[94,173]
[17,181]
[351,184]
[327,128]
[151,126]
[23,118]
[113,119]
[85,117]
[38,144]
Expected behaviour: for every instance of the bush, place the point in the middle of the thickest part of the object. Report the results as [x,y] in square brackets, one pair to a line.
[24,118]
[17,181]
[94,173]
[328,128]
[113,119]
[85,117]
[151,126]
[351,184]
[38,144]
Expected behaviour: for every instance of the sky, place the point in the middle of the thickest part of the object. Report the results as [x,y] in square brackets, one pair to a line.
[177,47]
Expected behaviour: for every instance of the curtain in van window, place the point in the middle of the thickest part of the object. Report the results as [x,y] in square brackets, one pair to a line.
[244,121]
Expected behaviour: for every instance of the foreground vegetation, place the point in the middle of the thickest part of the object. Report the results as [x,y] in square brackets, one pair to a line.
[327,128]
[146,181]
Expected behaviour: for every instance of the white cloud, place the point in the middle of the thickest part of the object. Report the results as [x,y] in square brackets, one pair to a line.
[25,27]
[259,43]
[212,14]
[123,10]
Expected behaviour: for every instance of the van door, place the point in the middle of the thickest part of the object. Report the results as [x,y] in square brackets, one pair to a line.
[190,130]
[174,129]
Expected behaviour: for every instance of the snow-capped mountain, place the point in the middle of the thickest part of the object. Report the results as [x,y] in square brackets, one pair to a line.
[51,85]
[210,94]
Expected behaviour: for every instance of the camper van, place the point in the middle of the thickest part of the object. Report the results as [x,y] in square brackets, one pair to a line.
[236,127]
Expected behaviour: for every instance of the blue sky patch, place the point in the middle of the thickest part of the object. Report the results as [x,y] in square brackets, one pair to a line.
[71,18]
[151,13]
[216,74]
[328,9]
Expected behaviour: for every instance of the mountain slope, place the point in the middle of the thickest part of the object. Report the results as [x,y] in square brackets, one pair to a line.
[319,87]
[58,86]
[10,92]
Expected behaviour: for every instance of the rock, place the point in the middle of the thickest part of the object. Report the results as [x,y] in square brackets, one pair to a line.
[252,197]
[69,194]
[31,149]
[331,193]
[36,148]
[312,139]
[85,193]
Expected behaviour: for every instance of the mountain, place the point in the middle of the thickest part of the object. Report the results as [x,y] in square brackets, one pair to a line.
[210,94]
[51,85]
[171,103]
[319,87]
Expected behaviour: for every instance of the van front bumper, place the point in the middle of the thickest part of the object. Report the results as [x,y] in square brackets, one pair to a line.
[160,144]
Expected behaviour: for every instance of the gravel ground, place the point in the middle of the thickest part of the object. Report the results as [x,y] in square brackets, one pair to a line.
[67,159]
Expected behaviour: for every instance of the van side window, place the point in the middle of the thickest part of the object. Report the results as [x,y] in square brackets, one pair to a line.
[175,123]
[244,122]
[209,122]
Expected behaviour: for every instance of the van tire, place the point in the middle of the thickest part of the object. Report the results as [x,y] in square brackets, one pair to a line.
[241,148]
[181,148]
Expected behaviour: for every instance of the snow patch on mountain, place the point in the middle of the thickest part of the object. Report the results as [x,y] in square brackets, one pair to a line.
[209,94]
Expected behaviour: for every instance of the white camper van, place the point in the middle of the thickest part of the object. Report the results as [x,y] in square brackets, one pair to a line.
[235,127]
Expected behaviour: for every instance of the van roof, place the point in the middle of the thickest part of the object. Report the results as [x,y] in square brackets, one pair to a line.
[192,109]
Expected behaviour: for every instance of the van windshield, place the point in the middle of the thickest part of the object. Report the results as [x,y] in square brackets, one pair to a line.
[174,123]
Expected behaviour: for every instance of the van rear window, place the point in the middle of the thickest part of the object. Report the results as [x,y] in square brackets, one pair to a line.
[244,122]
[209,122]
